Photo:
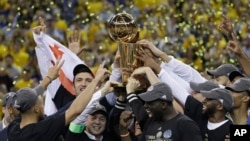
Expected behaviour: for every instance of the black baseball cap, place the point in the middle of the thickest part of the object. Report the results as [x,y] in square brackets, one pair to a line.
[82,68]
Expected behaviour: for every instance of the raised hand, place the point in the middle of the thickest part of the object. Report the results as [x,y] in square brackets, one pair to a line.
[109,87]
[147,44]
[140,71]
[74,42]
[102,73]
[125,119]
[132,85]
[41,26]
[234,47]
[146,56]
[227,28]
[53,71]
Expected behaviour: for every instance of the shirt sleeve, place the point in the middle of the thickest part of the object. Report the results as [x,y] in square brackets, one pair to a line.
[193,109]
[138,109]
[178,91]
[39,90]
[83,116]
[177,78]
[185,71]
[115,74]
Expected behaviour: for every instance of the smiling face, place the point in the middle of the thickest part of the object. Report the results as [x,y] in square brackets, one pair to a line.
[209,106]
[81,81]
[154,109]
[96,124]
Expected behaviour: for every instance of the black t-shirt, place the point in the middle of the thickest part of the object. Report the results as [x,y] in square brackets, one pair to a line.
[180,128]
[193,109]
[45,130]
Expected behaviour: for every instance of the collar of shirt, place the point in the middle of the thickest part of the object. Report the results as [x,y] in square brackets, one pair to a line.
[212,126]
[93,137]
[3,121]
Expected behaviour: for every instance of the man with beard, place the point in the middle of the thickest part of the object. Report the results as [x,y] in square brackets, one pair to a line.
[210,113]
[162,122]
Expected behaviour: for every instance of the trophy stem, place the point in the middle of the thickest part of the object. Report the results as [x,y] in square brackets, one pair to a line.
[127,59]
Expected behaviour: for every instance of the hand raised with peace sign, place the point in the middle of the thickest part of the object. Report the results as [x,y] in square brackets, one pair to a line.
[53,71]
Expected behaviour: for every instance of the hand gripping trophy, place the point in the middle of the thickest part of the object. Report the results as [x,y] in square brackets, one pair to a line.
[123,29]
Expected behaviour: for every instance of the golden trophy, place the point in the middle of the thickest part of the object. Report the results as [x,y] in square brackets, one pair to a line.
[122,28]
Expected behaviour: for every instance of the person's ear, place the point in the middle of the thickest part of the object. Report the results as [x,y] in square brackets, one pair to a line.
[246,99]
[10,110]
[220,106]
[36,109]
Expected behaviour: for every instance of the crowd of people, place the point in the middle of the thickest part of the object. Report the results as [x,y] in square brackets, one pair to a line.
[194,82]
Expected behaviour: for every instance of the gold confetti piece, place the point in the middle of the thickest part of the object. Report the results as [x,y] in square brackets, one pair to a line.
[166,39]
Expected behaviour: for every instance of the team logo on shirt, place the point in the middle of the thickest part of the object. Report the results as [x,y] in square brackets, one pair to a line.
[167,134]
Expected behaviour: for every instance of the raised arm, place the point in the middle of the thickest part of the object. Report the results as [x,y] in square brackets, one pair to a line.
[184,71]
[74,40]
[233,45]
[83,99]
[242,58]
